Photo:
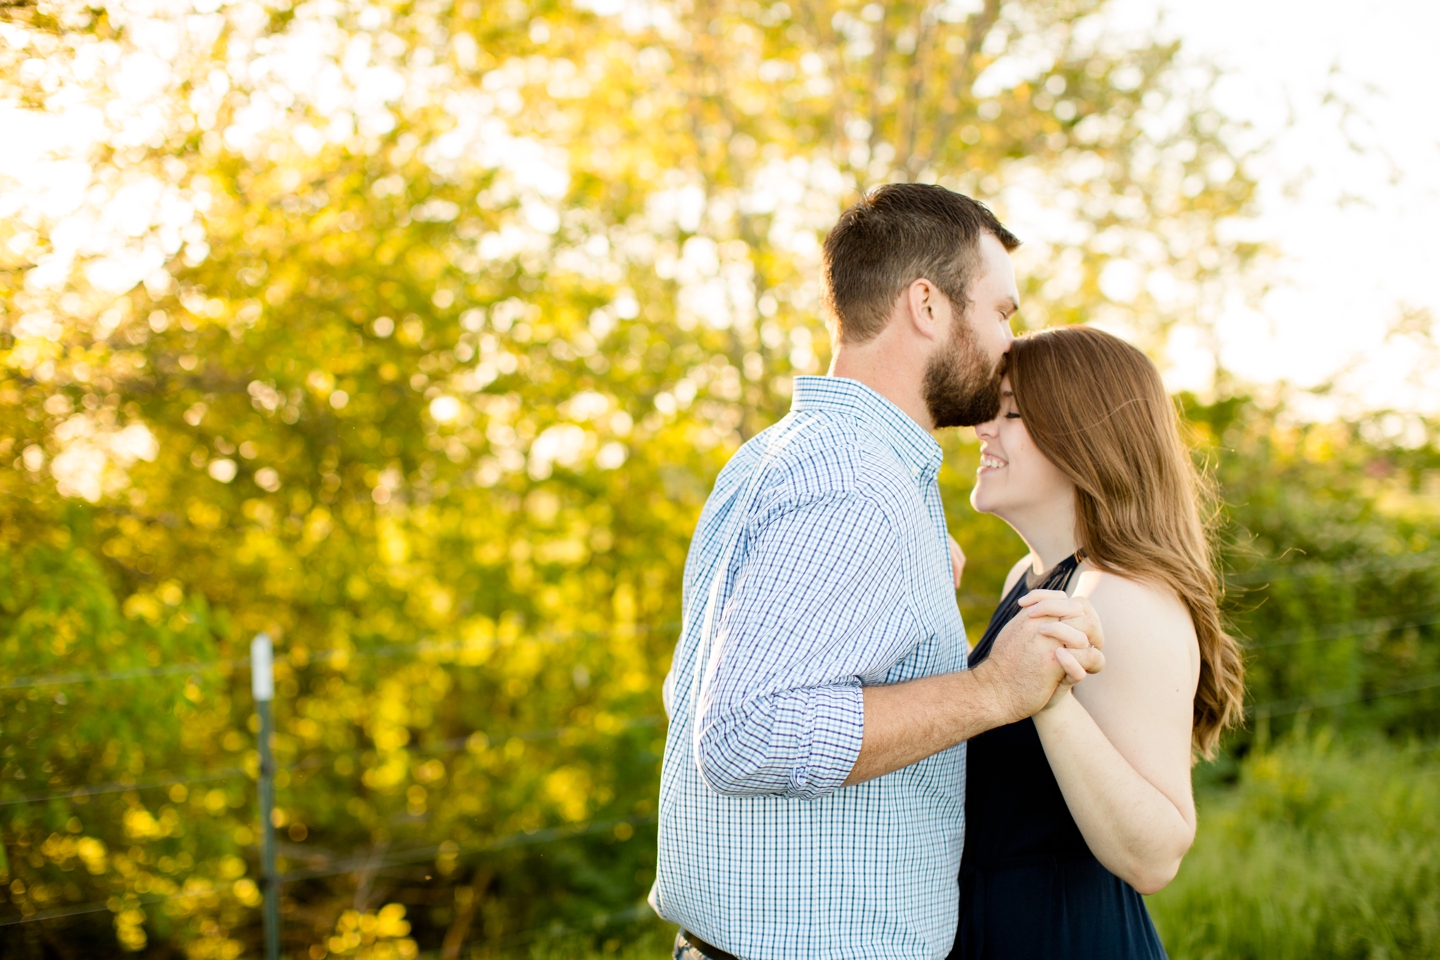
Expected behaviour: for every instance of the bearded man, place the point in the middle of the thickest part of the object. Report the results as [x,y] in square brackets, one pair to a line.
[812,798]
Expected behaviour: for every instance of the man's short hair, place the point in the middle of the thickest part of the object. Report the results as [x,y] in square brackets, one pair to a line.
[897,234]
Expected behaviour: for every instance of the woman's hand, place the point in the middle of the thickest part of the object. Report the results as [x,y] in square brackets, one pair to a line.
[957,561]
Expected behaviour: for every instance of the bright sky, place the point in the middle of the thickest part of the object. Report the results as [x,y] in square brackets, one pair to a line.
[1359,233]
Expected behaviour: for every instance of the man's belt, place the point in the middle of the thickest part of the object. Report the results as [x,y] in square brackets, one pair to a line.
[711,953]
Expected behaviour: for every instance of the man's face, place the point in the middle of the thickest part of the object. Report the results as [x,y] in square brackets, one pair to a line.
[962,379]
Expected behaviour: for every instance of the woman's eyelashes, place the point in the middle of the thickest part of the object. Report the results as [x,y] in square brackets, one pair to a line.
[1011,415]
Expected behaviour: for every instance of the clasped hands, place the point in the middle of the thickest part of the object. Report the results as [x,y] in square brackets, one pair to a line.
[1051,630]
[1073,622]
[1067,631]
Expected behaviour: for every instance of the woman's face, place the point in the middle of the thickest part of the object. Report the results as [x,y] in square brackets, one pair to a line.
[1015,478]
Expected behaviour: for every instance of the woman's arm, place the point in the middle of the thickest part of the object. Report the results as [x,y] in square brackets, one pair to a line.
[1120,744]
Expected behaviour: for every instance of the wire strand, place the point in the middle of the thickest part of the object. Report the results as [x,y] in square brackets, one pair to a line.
[420,647]
[452,745]
[61,679]
[1315,568]
[117,787]
[1336,698]
[421,854]
[457,744]
[84,908]
[1342,631]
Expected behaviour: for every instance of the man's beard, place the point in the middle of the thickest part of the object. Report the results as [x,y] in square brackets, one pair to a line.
[962,386]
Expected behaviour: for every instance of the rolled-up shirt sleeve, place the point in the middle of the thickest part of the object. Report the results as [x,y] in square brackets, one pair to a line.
[818,603]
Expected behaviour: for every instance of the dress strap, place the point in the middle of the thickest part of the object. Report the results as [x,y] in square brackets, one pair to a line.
[1057,577]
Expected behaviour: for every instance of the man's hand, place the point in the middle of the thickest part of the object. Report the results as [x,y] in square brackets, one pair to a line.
[957,561]
[1054,641]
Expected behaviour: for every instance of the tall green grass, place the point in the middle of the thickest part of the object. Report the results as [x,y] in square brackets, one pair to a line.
[1321,851]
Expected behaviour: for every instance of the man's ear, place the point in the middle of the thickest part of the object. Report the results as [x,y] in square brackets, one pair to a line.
[922,301]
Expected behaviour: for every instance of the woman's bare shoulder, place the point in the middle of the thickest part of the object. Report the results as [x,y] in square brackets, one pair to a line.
[1140,616]
[1122,590]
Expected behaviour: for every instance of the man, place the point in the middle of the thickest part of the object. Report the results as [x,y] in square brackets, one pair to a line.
[812,792]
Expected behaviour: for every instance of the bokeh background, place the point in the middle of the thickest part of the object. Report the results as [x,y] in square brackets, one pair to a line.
[414,333]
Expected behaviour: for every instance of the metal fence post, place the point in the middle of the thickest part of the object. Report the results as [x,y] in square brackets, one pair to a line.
[262,684]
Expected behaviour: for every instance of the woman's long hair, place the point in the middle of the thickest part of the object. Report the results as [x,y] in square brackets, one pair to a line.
[1096,407]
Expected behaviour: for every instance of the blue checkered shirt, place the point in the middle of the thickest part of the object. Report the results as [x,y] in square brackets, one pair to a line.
[820,565]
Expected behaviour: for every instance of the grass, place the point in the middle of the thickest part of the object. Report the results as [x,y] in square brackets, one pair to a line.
[1321,851]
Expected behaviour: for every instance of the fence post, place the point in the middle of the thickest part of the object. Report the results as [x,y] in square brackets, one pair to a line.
[262,684]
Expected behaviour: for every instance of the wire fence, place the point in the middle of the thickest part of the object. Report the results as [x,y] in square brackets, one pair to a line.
[1345,630]
[440,648]
[367,863]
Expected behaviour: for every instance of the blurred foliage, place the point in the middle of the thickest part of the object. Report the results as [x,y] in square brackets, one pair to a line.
[1332,545]
[415,334]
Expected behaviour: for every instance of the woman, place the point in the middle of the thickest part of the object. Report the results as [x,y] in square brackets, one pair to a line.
[1071,815]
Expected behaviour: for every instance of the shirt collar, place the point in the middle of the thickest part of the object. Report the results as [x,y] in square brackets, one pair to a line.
[910,441]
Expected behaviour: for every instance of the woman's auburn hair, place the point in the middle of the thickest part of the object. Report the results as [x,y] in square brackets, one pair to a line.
[1096,407]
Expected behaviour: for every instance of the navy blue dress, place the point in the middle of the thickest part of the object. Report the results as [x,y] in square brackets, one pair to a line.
[1030,889]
